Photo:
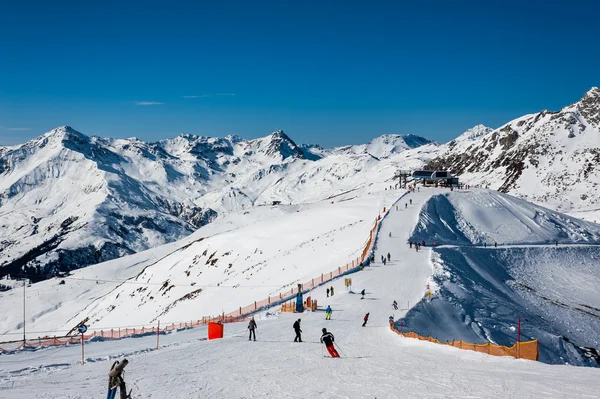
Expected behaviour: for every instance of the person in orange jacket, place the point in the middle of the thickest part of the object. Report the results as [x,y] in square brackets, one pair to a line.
[366,318]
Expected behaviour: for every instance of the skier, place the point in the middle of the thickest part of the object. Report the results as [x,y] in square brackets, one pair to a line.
[410,200]
[328,339]
[252,326]
[298,331]
[395,305]
[423,243]
[382,258]
[328,313]
[410,244]
[390,235]
[373,258]
[405,205]
[391,320]
[363,294]
[366,318]
[327,292]
[331,290]
[389,256]
[115,380]
[384,261]
[396,207]
[495,245]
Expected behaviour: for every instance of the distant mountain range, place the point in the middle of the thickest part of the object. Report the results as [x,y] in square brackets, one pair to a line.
[68,200]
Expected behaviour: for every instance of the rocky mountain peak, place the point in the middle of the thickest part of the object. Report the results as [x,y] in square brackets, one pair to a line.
[280,143]
[589,106]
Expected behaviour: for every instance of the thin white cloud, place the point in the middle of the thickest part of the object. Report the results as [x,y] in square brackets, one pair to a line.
[18,128]
[212,95]
[148,103]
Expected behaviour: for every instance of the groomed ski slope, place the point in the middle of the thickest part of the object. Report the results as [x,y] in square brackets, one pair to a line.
[375,363]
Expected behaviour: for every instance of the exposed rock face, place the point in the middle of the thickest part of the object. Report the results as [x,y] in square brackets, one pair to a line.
[548,157]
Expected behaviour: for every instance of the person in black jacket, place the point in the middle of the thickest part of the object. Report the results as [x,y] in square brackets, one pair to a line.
[298,331]
[252,326]
[328,339]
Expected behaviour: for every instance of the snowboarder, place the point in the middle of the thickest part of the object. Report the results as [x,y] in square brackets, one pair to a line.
[327,292]
[115,380]
[363,294]
[366,318]
[251,327]
[298,331]
[395,305]
[331,291]
[328,313]
[389,256]
[328,339]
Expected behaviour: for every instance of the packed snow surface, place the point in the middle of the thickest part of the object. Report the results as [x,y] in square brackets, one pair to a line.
[375,363]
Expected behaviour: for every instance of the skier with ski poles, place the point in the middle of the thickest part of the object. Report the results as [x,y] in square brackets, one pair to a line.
[252,326]
[328,339]
[115,380]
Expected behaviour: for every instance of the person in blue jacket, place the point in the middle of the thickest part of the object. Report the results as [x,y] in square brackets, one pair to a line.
[328,313]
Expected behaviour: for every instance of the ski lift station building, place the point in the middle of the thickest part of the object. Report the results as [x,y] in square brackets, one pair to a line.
[435,177]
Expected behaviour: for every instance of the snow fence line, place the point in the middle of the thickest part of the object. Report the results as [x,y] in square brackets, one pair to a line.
[233,317]
[521,350]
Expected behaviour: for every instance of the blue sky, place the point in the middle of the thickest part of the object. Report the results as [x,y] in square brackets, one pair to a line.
[328,72]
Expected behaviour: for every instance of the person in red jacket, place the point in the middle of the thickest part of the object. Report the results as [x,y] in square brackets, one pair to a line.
[328,339]
[366,318]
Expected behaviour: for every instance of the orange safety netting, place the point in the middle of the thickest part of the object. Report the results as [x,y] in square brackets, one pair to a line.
[232,317]
[520,350]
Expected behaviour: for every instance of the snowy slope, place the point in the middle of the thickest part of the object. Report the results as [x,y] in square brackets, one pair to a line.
[549,158]
[375,362]
[480,291]
[68,200]
[232,262]
[479,216]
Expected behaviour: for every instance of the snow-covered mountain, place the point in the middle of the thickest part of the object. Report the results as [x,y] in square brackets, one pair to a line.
[551,158]
[68,200]
[386,145]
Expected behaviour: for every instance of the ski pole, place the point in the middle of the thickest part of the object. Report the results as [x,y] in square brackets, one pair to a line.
[343,353]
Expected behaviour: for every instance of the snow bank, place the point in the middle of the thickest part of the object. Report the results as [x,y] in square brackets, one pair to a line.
[483,216]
